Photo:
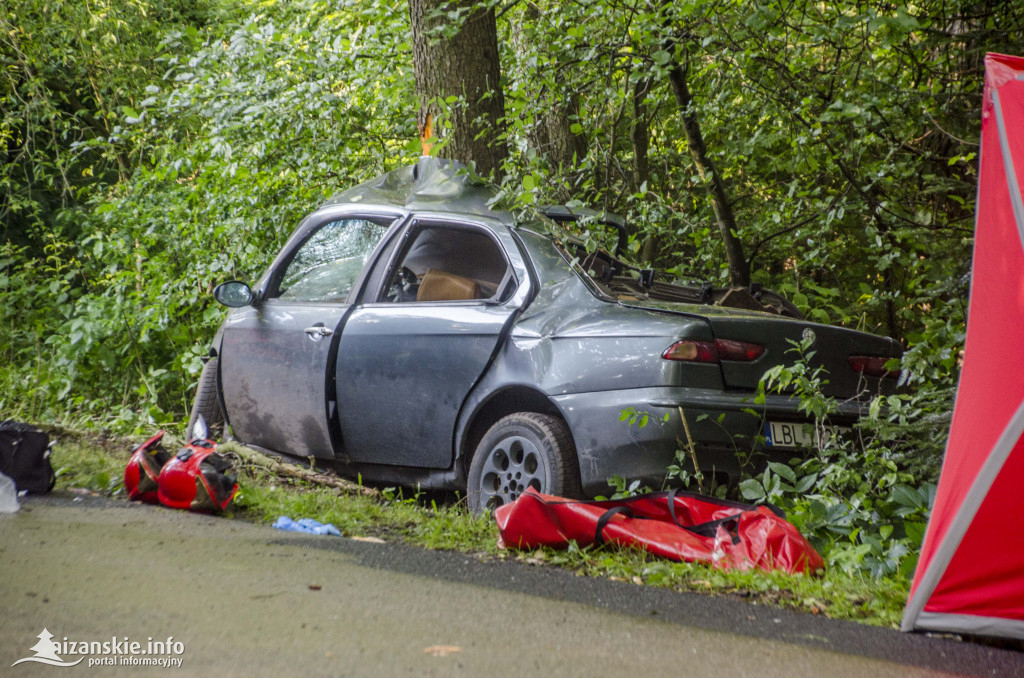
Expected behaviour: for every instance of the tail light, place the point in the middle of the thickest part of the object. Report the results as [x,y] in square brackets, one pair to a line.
[711,352]
[872,366]
[738,350]
[692,351]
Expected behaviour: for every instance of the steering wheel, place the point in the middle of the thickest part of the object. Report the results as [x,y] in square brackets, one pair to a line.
[401,285]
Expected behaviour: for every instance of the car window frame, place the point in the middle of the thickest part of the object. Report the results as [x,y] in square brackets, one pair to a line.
[417,223]
[313,224]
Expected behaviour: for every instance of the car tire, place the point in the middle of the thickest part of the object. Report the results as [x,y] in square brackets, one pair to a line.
[207,403]
[522,450]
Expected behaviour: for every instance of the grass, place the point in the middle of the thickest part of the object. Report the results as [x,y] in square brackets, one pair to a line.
[433,521]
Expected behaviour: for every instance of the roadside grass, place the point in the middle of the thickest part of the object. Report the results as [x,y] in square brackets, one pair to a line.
[90,463]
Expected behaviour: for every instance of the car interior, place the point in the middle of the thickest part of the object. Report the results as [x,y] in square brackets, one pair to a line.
[623,282]
[450,264]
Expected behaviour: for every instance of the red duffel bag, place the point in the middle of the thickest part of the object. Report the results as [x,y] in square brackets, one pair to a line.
[674,524]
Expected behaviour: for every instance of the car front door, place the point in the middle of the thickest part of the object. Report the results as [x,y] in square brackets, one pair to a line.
[275,355]
[408,358]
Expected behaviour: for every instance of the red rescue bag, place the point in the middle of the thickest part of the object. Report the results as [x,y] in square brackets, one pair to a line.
[143,470]
[674,524]
[196,479]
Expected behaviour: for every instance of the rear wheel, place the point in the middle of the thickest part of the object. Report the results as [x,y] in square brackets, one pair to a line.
[523,450]
[207,403]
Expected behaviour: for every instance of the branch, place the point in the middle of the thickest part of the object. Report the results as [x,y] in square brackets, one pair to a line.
[285,470]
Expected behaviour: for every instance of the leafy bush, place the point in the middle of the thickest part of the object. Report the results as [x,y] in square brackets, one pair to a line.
[234,132]
[863,502]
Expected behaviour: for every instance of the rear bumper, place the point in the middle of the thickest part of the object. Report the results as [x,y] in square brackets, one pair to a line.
[726,429]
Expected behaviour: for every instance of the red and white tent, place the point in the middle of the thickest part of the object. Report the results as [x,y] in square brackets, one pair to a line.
[970,577]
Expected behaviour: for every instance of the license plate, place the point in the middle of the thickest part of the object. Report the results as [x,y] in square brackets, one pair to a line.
[787,434]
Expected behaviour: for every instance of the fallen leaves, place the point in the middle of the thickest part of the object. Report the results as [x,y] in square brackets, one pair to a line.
[441,650]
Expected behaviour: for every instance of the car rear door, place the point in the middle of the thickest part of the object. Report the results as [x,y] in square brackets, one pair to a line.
[409,356]
[275,355]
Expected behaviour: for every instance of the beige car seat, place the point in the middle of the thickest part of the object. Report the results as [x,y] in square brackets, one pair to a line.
[444,286]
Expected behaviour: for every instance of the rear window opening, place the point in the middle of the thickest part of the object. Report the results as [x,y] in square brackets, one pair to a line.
[615,280]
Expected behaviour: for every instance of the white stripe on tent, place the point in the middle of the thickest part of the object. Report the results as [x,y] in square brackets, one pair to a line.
[997,457]
[1011,174]
[968,623]
[964,517]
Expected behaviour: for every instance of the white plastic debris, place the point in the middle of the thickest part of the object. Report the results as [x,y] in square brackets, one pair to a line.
[8,495]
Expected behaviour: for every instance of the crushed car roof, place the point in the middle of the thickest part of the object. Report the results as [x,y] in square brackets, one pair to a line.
[432,184]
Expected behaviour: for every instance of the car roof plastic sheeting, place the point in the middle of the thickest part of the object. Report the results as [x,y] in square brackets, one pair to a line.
[967,579]
[432,184]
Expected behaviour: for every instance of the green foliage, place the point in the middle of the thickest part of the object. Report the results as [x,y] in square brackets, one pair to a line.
[228,134]
[151,152]
[624,488]
[862,502]
[801,378]
[639,418]
[73,73]
[846,135]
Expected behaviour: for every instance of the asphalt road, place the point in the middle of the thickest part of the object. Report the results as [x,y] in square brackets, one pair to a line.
[246,600]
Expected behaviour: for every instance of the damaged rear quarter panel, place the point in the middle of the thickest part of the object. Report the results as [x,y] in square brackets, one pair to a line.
[591,359]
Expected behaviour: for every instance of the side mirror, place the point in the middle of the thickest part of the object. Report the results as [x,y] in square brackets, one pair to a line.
[233,294]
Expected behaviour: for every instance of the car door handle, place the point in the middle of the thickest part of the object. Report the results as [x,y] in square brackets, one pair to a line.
[318,331]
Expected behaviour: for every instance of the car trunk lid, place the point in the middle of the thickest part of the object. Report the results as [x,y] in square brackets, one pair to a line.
[828,346]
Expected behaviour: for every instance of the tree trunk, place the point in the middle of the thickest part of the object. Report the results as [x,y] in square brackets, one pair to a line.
[640,134]
[555,138]
[640,137]
[465,66]
[739,268]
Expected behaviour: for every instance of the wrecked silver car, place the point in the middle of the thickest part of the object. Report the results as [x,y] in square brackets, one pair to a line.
[408,333]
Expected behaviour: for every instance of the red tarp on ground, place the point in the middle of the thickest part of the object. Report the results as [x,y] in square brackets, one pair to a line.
[970,577]
[676,525]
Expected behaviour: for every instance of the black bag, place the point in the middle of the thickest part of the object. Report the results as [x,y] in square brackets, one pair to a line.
[25,457]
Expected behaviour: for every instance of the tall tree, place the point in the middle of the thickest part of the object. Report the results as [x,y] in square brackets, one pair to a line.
[739,267]
[457,69]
